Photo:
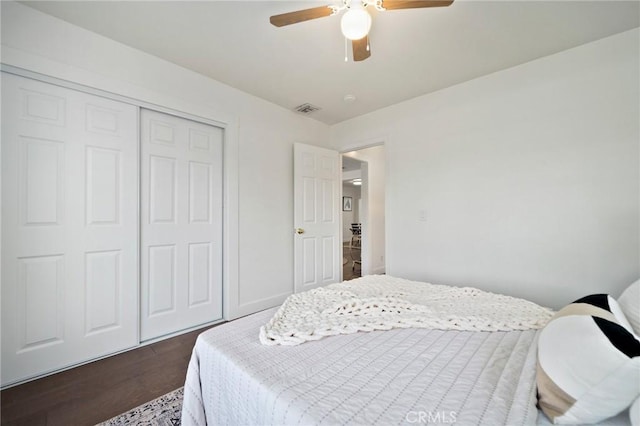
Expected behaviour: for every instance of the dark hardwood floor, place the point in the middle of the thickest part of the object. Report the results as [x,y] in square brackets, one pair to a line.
[95,392]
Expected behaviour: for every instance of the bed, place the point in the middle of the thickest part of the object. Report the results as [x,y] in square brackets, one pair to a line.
[384,377]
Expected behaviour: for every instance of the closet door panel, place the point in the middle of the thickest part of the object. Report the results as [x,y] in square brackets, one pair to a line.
[69,227]
[181,224]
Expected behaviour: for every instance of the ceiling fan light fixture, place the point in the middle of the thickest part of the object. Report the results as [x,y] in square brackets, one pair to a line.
[356,22]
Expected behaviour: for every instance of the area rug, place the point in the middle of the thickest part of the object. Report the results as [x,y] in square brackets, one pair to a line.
[163,411]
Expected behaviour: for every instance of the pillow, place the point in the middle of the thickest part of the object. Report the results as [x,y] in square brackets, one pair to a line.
[588,363]
[629,302]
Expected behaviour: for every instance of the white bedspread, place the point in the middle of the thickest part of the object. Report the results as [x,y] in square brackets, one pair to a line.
[400,376]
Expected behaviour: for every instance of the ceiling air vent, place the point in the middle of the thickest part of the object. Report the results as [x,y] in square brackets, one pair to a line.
[306,108]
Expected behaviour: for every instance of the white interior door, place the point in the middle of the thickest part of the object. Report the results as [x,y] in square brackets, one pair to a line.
[69,227]
[181,219]
[316,182]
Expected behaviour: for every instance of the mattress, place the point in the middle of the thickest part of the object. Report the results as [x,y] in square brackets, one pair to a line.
[395,377]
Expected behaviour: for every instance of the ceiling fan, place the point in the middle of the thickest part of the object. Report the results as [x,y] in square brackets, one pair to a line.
[356,22]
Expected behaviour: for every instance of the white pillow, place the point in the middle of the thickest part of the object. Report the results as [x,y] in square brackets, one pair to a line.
[588,363]
[629,302]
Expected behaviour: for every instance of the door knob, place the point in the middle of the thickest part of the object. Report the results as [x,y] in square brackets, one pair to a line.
[299,231]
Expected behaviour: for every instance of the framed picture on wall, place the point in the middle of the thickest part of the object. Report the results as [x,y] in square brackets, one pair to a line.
[347,204]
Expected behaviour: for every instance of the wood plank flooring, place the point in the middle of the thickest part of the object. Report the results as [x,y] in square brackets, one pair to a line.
[95,392]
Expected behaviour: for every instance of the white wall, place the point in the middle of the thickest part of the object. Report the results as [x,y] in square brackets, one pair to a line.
[373,214]
[529,177]
[260,136]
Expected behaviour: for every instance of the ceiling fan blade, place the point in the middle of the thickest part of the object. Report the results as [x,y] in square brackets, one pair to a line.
[360,51]
[300,16]
[414,4]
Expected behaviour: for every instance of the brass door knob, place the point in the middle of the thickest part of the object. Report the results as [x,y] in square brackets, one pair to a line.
[299,231]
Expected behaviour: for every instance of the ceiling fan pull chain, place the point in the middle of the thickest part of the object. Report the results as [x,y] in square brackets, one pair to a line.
[368,44]
[346,52]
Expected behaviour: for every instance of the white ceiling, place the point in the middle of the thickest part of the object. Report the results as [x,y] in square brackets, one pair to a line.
[413,51]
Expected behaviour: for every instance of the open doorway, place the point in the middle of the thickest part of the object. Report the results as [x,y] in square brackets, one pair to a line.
[351,220]
[363,174]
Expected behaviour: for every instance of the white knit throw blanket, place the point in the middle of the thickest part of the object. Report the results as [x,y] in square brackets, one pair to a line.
[381,302]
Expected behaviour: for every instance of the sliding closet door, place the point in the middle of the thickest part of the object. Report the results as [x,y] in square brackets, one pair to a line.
[69,227]
[181,224]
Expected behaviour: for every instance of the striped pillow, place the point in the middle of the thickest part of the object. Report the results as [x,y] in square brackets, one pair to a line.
[588,362]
